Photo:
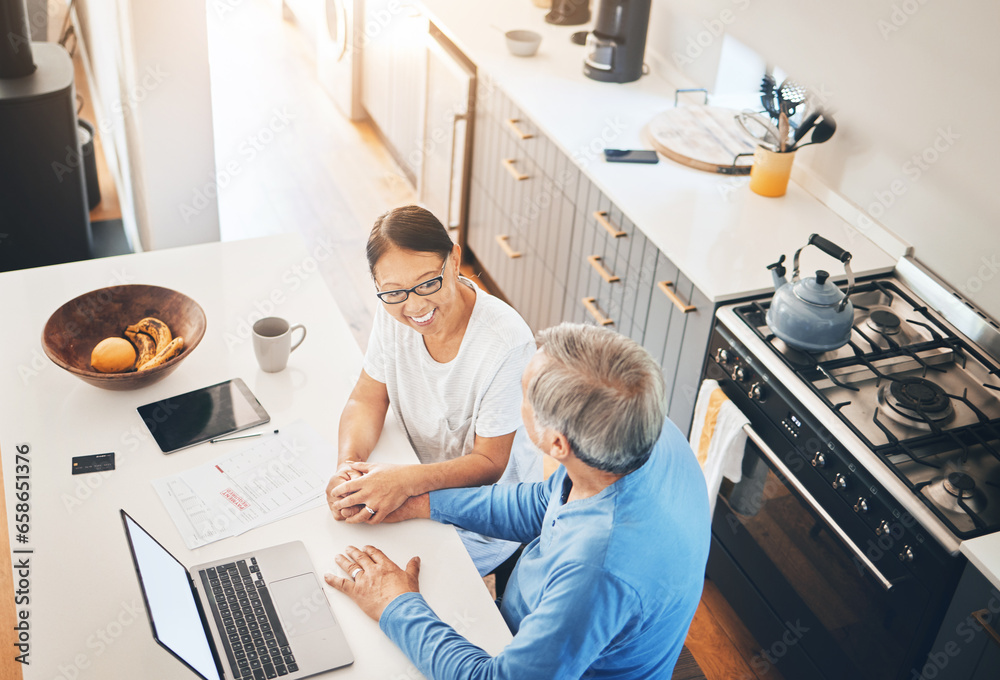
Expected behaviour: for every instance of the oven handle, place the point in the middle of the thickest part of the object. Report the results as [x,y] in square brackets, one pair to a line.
[831,524]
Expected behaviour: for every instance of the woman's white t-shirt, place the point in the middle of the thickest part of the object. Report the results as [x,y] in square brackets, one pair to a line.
[444,406]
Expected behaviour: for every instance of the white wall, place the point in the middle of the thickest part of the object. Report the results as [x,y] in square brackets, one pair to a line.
[915,85]
[149,62]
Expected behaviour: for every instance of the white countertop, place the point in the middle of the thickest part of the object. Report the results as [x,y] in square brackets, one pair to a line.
[86,609]
[984,554]
[713,227]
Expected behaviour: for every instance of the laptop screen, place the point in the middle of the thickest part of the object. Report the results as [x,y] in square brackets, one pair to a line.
[170,602]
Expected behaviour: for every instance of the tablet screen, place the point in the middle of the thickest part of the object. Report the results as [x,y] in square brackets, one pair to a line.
[203,414]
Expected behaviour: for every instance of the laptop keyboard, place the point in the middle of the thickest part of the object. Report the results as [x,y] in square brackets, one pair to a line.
[251,631]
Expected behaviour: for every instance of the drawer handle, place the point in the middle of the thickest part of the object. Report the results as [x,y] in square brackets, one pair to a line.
[602,218]
[512,124]
[666,287]
[502,240]
[514,172]
[588,302]
[595,262]
[983,616]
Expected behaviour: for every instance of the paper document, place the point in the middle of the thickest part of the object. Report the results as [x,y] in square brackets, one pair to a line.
[273,478]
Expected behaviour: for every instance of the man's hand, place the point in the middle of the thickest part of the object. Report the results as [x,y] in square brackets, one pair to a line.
[377,491]
[378,583]
[344,473]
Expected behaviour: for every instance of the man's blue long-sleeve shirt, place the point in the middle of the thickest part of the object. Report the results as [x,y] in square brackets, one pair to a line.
[605,588]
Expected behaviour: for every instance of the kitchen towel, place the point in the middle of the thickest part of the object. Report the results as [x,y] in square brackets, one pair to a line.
[717,437]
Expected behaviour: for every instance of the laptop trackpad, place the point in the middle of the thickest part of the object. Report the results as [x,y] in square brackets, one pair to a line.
[301,604]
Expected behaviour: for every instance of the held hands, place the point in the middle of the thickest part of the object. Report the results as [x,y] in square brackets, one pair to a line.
[365,488]
[376,581]
[344,473]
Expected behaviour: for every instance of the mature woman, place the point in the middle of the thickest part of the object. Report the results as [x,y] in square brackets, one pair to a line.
[448,358]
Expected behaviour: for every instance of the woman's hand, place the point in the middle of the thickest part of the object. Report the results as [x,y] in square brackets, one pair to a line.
[381,489]
[376,581]
[344,473]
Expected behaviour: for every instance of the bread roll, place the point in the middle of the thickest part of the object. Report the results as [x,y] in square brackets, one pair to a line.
[113,355]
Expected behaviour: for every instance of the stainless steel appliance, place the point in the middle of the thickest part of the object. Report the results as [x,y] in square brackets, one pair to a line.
[865,468]
[616,46]
[447,152]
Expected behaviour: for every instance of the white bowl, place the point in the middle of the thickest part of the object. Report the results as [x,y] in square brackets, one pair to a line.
[523,43]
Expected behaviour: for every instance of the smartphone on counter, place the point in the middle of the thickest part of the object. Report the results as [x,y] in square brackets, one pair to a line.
[631,156]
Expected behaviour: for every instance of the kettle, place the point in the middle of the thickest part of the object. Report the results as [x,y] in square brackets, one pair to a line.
[812,314]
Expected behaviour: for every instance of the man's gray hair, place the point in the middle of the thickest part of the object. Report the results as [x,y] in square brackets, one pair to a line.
[601,390]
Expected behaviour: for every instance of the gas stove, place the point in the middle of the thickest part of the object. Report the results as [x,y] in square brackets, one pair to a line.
[865,469]
[909,394]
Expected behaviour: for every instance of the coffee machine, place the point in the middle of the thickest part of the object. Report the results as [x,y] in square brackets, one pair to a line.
[616,46]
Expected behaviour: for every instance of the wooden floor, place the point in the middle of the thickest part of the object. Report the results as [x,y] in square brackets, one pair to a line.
[328,178]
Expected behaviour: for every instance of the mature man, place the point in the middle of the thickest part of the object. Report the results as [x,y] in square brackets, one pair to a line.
[617,539]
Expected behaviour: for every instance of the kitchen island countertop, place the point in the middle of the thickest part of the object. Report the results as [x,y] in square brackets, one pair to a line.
[720,234]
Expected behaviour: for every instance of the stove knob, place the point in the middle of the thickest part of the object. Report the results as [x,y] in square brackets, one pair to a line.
[757,392]
[906,555]
[861,506]
[883,528]
[819,461]
[738,374]
[839,482]
[723,356]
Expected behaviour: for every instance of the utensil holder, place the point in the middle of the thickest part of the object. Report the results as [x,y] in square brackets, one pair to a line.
[770,172]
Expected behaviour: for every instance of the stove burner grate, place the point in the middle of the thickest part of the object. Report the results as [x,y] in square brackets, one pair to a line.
[916,403]
[957,493]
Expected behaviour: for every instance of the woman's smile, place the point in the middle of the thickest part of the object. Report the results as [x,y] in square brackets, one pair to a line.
[423,320]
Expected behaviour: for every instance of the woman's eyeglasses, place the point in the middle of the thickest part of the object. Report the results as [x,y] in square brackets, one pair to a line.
[428,287]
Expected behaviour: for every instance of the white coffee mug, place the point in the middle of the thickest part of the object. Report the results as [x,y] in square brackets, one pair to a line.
[272,343]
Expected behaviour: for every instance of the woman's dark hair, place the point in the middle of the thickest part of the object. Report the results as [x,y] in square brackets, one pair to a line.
[407,228]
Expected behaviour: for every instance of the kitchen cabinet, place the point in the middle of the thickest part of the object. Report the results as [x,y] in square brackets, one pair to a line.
[558,249]
[968,643]
[394,78]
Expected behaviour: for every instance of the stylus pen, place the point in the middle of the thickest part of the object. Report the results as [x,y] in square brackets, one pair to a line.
[239,436]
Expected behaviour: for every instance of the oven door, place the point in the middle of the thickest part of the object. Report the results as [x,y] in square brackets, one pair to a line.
[818,606]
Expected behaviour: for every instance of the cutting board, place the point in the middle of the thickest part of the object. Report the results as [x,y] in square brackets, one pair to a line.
[702,137]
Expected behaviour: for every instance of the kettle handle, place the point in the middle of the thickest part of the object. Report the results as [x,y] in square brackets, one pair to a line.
[834,251]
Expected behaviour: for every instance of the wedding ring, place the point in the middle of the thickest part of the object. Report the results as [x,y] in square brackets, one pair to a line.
[355,572]
[372,512]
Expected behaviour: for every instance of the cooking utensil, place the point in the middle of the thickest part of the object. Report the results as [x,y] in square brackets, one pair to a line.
[805,126]
[790,95]
[812,314]
[782,131]
[759,128]
[821,132]
[767,94]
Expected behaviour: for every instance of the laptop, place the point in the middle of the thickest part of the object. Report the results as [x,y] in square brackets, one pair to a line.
[260,615]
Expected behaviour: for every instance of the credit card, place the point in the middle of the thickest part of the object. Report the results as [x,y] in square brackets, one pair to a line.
[99,462]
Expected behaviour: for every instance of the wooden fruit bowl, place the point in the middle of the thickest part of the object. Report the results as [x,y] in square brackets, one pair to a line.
[73,330]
